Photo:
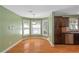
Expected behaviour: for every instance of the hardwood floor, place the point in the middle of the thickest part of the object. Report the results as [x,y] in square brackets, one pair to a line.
[66,49]
[43,46]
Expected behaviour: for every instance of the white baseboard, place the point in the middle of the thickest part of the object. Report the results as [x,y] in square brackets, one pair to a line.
[52,44]
[12,46]
[20,41]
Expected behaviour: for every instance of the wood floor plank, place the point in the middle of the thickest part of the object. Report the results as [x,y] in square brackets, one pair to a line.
[40,45]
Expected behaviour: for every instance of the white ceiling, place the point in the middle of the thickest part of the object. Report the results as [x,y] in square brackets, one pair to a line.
[43,10]
[74,10]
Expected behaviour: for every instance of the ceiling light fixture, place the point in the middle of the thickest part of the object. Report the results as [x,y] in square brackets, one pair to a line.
[33,14]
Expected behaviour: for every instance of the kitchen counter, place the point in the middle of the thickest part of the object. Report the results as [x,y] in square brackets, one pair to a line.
[71,32]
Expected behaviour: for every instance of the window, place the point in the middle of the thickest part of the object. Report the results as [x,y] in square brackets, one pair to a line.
[36,26]
[73,24]
[26,27]
[45,27]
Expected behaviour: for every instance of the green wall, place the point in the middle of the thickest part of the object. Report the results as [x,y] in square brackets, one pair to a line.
[51,28]
[10,27]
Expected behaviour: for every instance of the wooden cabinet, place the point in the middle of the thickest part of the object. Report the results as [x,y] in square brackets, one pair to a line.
[72,38]
[76,38]
[69,38]
[59,22]
[65,22]
[61,25]
[57,28]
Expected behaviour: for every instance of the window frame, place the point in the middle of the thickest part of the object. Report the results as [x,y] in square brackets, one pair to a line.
[40,26]
[30,26]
